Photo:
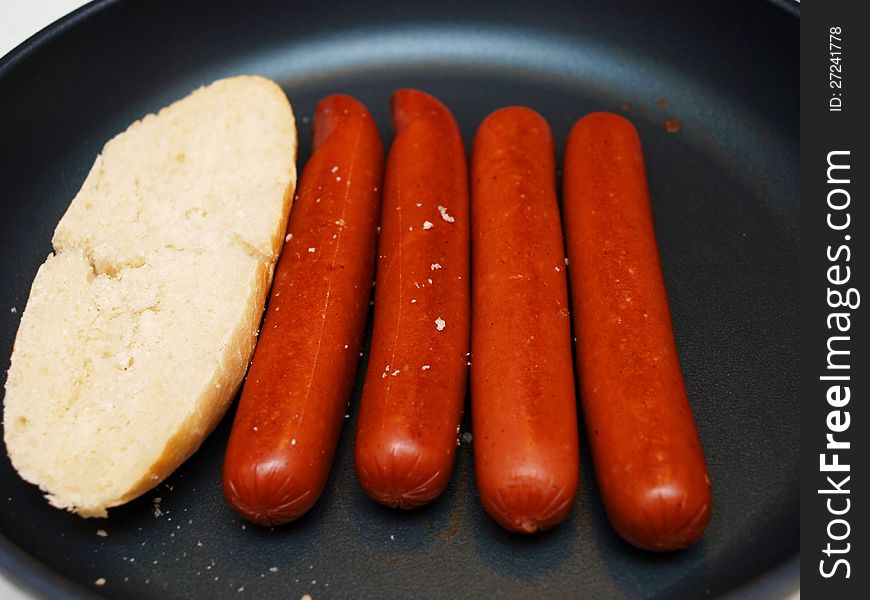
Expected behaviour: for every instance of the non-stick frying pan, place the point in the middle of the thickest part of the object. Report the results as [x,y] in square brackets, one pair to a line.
[725,194]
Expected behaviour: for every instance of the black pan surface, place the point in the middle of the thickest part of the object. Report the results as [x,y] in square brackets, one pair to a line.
[725,193]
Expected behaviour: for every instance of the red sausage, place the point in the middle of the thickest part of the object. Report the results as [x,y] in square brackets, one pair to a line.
[645,447]
[294,399]
[523,408]
[414,390]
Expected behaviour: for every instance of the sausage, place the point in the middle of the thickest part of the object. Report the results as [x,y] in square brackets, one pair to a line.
[645,447]
[523,407]
[295,396]
[414,391]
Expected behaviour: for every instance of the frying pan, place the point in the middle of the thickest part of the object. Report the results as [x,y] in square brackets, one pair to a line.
[725,194]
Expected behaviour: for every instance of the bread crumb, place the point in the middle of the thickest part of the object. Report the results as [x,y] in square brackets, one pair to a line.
[444,215]
[396,372]
[311,250]
[440,324]
[566,261]
[427,225]
[100,582]
[340,222]
[13,310]
[293,442]
[273,569]
[435,266]
[430,281]
[288,237]
[334,169]
[419,204]
[557,269]
[102,533]
[338,178]
[426,367]
[413,301]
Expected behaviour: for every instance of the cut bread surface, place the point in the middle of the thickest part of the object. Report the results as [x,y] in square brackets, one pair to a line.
[140,327]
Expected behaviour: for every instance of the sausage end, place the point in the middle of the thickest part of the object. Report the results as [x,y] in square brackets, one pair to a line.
[663,518]
[528,505]
[401,475]
[268,493]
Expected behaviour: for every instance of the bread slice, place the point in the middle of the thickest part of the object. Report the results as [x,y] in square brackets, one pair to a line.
[139,329]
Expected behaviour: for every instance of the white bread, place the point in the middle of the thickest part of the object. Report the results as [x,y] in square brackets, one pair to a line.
[139,329]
